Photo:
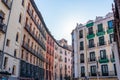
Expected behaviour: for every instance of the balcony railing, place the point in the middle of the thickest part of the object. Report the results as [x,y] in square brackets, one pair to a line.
[81,48]
[110,30]
[7,3]
[92,74]
[31,50]
[38,26]
[27,27]
[100,33]
[3,27]
[91,46]
[81,61]
[90,36]
[103,60]
[92,59]
[109,73]
[102,43]
[82,74]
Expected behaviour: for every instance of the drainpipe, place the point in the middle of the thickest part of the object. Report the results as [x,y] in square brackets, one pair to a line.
[1,65]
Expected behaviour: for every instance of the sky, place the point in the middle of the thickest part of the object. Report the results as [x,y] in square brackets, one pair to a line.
[61,16]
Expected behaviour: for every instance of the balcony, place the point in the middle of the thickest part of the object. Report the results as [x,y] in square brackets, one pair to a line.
[90,36]
[102,43]
[31,50]
[104,60]
[92,59]
[100,33]
[91,46]
[109,73]
[90,24]
[81,61]
[38,26]
[3,27]
[27,27]
[82,74]
[81,48]
[92,74]
[112,59]
[110,30]
[7,3]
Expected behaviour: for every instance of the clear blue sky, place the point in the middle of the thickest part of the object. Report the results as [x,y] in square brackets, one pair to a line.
[61,16]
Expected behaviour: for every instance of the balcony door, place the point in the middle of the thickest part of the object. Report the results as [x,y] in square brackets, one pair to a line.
[104,70]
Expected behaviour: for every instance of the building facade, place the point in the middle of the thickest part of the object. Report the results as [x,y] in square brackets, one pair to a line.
[27,48]
[116,11]
[32,57]
[93,55]
[63,59]
[50,57]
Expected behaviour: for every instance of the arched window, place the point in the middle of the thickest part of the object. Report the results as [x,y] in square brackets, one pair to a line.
[17,37]
[14,70]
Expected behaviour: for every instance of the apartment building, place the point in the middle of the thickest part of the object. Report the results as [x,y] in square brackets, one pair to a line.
[32,63]
[62,60]
[23,40]
[27,48]
[10,39]
[93,56]
[116,11]
[49,56]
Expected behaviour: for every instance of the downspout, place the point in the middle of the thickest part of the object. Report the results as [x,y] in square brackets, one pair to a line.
[1,65]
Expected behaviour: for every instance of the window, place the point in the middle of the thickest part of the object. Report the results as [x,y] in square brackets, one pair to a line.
[91,43]
[1,16]
[65,59]
[82,71]
[101,40]
[5,62]
[81,34]
[110,24]
[92,56]
[17,37]
[20,16]
[115,69]
[15,52]
[8,43]
[111,38]
[113,56]
[100,27]
[90,30]
[81,58]
[14,70]
[93,70]
[103,54]
[81,46]
[65,53]
[22,2]
[104,70]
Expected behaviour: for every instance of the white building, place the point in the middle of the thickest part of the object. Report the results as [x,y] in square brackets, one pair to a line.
[93,49]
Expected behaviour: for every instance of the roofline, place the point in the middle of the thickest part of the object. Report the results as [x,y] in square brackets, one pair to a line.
[42,20]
